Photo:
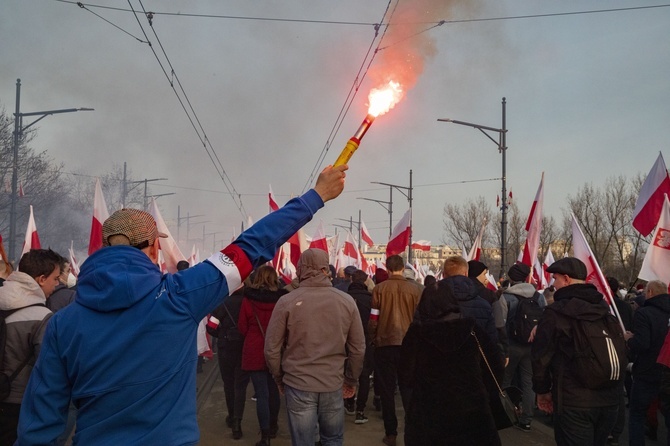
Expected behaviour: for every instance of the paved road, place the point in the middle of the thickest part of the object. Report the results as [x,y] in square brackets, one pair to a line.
[213,431]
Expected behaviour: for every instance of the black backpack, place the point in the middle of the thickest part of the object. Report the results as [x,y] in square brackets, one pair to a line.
[599,348]
[6,380]
[527,316]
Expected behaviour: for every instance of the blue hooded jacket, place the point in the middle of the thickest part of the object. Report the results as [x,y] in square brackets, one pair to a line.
[125,350]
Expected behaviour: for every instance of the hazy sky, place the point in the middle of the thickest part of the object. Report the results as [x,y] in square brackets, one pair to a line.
[588,96]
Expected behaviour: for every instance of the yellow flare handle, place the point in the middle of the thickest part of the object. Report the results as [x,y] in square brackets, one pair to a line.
[346,153]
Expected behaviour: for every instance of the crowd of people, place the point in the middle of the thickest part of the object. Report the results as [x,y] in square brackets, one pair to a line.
[116,356]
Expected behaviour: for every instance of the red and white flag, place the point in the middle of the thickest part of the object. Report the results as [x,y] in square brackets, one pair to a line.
[100,214]
[476,250]
[171,253]
[350,253]
[509,197]
[594,275]
[272,202]
[538,275]
[74,265]
[400,236]
[534,227]
[464,253]
[491,283]
[365,235]
[32,240]
[319,240]
[650,201]
[656,264]
[548,260]
[421,245]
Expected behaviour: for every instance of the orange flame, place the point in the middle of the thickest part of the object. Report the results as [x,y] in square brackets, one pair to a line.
[385,98]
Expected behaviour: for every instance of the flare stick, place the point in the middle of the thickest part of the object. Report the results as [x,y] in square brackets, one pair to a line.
[354,142]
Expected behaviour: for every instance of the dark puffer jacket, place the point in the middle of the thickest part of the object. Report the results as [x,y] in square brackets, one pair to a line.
[650,325]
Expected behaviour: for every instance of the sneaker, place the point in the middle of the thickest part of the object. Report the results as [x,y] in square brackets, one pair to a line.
[524,427]
[349,407]
[361,418]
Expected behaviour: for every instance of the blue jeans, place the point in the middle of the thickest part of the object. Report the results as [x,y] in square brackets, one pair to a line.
[641,396]
[267,398]
[306,409]
[578,426]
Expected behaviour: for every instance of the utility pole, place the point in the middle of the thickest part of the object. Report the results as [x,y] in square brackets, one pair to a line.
[408,195]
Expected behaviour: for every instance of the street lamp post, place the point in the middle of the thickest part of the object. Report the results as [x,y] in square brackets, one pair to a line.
[19,128]
[502,149]
[408,195]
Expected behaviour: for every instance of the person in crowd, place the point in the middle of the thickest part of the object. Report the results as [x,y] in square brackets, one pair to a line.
[518,347]
[125,350]
[345,280]
[23,299]
[441,362]
[222,324]
[478,273]
[62,295]
[429,281]
[650,327]
[339,280]
[582,415]
[260,298]
[363,298]
[311,333]
[393,305]
[410,274]
[380,276]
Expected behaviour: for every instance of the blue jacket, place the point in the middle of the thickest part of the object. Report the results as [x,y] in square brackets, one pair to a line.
[125,350]
[471,304]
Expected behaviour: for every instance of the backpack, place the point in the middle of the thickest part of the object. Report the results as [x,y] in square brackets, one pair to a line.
[599,359]
[526,318]
[5,380]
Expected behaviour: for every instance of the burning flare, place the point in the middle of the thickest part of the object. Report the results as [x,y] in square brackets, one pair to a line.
[381,100]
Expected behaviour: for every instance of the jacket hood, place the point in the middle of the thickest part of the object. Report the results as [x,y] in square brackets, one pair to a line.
[116,277]
[662,302]
[582,301]
[462,287]
[310,266]
[447,335]
[521,289]
[263,295]
[20,290]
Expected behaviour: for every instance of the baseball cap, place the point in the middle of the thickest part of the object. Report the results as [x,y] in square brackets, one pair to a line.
[570,266]
[138,226]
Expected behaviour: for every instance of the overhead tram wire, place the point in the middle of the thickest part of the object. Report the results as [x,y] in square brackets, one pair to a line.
[203,137]
[352,93]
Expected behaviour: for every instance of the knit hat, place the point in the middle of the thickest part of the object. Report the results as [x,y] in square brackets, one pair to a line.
[381,275]
[138,226]
[475,268]
[518,272]
[570,266]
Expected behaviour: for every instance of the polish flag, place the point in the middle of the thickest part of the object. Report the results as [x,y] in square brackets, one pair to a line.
[649,203]
[476,250]
[534,227]
[594,275]
[548,260]
[32,240]
[273,203]
[464,253]
[656,264]
[420,274]
[365,234]
[350,252]
[100,214]
[421,245]
[167,246]
[491,284]
[538,275]
[319,240]
[74,266]
[297,244]
[400,236]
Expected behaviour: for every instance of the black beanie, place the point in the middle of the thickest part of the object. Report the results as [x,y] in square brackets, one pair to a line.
[518,272]
[475,268]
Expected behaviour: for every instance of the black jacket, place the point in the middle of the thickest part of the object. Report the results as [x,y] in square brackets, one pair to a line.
[230,339]
[650,325]
[489,296]
[363,299]
[552,350]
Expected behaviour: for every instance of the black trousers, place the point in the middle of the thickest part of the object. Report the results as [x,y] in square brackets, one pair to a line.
[235,381]
[386,373]
[9,422]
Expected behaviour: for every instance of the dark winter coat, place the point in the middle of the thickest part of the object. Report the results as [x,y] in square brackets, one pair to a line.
[442,365]
[488,295]
[650,325]
[363,299]
[60,298]
[255,313]
[230,340]
[552,350]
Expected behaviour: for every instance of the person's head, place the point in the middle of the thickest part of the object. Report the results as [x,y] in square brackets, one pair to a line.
[331,268]
[43,265]
[349,272]
[132,227]
[479,271]
[455,266]
[654,288]
[395,264]
[359,276]
[265,278]
[518,273]
[613,283]
[340,273]
[381,275]
[429,280]
[313,262]
[567,271]
[65,269]
[182,265]
[437,305]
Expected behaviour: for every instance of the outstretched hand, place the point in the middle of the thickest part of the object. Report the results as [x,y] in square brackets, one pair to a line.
[331,182]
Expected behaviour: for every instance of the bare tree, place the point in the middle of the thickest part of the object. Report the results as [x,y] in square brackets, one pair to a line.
[462,223]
